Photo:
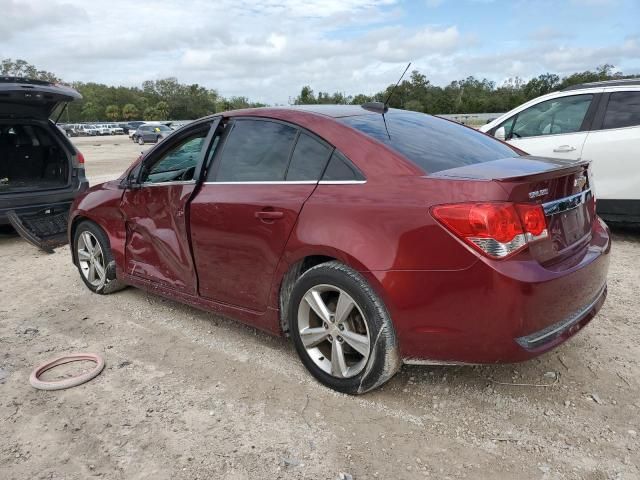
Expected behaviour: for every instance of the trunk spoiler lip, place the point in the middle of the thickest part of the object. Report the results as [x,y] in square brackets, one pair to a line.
[475,172]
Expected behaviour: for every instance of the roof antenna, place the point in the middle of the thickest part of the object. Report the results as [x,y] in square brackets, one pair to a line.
[379,107]
[386,102]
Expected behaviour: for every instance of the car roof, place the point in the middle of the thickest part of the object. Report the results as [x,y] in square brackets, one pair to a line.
[623,82]
[331,111]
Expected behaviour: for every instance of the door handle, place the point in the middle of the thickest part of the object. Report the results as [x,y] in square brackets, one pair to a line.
[564,149]
[269,215]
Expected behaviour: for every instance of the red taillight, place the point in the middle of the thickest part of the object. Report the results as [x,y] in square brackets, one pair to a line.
[532,218]
[79,161]
[495,229]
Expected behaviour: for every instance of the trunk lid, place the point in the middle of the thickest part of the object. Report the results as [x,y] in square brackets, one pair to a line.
[25,98]
[562,187]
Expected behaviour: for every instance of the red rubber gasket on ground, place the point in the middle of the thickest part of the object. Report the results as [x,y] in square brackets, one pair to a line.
[67,382]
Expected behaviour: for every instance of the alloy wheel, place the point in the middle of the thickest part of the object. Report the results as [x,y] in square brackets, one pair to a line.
[91,259]
[334,331]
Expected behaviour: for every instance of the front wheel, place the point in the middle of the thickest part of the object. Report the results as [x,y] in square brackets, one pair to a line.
[140,140]
[94,259]
[341,329]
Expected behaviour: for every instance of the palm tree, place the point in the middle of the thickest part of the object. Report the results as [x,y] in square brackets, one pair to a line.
[162,108]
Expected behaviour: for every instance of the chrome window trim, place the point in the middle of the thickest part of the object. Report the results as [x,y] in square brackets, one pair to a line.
[342,182]
[173,182]
[266,182]
[567,203]
[292,182]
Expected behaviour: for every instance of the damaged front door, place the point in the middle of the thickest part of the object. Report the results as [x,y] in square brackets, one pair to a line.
[155,209]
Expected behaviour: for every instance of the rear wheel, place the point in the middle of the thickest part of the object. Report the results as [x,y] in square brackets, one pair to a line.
[342,330]
[94,259]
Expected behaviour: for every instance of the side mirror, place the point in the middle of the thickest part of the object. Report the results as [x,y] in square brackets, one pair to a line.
[500,134]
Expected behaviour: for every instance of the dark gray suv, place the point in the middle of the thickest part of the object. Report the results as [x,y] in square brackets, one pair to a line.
[151,133]
[41,171]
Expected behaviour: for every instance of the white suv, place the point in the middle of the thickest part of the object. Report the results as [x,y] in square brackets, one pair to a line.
[594,121]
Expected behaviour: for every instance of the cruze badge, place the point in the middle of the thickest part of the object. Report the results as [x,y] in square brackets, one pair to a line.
[538,193]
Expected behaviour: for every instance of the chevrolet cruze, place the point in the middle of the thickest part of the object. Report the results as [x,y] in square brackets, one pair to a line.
[371,237]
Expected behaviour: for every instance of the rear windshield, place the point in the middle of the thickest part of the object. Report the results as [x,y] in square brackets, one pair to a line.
[431,143]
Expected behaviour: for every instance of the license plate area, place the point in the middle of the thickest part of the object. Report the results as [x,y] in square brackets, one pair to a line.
[569,219]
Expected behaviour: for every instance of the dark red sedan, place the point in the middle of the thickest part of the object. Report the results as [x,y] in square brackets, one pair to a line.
[370,239]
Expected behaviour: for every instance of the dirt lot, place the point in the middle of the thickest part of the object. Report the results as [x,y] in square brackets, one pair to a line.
[188,395]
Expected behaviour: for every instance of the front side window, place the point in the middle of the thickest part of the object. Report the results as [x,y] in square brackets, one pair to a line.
[256,151]
[179,163]
[623,110]
[552,117]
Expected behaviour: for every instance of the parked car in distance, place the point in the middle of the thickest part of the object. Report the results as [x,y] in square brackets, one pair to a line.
[369,240]
[90,130]
[150,133]
[40,169]
[115,129]
[102,129]
[133,126]
[597,121]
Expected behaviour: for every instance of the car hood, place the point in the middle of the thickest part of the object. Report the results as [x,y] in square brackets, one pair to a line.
[24,98]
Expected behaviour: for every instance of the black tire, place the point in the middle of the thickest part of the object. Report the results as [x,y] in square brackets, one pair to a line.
[158,138]
[384,358]
[111,284]
[140,140]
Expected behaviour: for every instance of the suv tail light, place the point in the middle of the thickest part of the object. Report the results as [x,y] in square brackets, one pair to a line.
[497,230]
[78,160]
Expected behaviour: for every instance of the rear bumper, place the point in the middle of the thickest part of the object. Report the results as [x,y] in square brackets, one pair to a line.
[35,202]
[495,312]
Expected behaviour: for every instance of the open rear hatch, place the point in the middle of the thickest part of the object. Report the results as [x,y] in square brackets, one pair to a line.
[25,98]
[35,166]
[561,187]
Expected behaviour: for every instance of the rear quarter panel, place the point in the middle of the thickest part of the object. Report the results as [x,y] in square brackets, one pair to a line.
[382,226]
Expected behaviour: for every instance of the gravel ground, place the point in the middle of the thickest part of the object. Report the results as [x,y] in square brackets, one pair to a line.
[189,395]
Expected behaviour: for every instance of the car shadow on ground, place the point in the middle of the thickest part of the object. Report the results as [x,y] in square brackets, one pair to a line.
[545,373]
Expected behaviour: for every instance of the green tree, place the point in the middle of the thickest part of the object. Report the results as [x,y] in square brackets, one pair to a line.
[151,113]
[112,112]
[130,112]
[22,68]
[414,105]
[163,110]
[91,112]
[306,97]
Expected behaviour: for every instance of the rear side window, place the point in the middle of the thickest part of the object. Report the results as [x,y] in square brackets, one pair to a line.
[309,159]
[431,143]
[623,110]
[255,151]
[341,169]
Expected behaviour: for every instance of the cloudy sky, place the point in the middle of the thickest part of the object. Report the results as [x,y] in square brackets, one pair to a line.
[268,49]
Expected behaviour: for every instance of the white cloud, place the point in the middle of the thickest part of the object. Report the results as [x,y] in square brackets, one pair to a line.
[266,50]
